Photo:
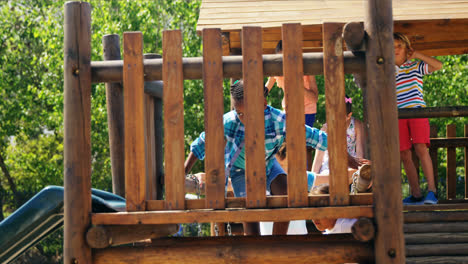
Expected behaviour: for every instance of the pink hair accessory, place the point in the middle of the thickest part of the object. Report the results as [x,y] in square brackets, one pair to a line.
[348,100]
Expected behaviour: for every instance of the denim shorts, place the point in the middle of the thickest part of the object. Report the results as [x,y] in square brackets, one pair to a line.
[238,178]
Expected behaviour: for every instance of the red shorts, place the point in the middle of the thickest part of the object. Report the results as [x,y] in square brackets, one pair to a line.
[413,131]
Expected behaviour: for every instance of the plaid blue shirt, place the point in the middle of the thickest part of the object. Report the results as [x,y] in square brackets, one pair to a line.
[275,134]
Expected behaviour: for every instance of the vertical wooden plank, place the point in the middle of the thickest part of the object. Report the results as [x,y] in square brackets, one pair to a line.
[254,118]
[173,99]
[77,134]
[293,71]
[434,158]
[466,164]
[135,168]
[150,148]
[115,117]
[214,108]
[451,164]
[333,69]
[383,132]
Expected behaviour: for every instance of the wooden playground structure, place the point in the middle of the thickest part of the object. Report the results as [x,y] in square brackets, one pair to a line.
[137,145]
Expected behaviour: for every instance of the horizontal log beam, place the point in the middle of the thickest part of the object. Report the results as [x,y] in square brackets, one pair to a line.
[269,249]
[436,250]
[449,142]
[275,201]
[436,207]
[111,71]
[438,260]
[436,216]
[250,215]
[105,236]
[436,238]
[439,227]
[431,112]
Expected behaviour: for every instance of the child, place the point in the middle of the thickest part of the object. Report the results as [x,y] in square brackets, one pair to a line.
[310,98]
[409,84]
[275,133]
[355,145]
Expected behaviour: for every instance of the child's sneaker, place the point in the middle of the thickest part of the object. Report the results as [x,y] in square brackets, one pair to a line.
[411,200]
[431,198]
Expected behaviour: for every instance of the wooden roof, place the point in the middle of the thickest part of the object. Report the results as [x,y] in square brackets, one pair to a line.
[437,27]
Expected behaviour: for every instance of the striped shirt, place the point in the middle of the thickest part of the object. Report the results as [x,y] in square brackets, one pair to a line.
[409,84]
[275,134]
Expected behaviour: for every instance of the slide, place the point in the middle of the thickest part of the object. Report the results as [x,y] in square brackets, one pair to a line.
[42,215]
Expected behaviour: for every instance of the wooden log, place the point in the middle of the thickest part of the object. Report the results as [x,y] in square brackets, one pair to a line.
[173,119]
[295,121]
[275,201]
[336,112]
[451,164]
[430,112]
[459,142]
[466,164]
[436,250]
[241,250]
[353,35]
[363,230]
[383,132]
[77,131]
[214,108]
[434,157]
[254,118]
[442,205]
[436,238]
[435,227]
[115,117]
[112,235]
[251,215]
[436,216]
[111,71]
[135,167]
[437,260]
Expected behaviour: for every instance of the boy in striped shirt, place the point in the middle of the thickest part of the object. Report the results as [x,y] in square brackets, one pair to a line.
[409,85]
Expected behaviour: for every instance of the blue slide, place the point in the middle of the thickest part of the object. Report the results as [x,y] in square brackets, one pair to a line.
[42,215]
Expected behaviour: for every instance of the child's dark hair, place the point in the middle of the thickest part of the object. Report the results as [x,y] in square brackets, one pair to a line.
[323,188]
[279,47]
[349,104]
[403,38]
[237,91]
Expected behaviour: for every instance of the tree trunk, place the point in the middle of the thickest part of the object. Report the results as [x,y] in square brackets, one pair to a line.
[9,179]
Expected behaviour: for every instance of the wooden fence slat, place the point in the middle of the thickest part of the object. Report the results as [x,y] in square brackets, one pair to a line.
[333,68]
[451,164]
[254,118]
[115,117]
[173,100]
[214,108]
[466,164]
[135,168]
[295,118]
[77,131]
[150,144]
[382,116]
[434,158]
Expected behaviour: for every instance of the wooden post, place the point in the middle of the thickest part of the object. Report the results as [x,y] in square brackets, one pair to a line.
[333,70]
[254,118]
[383,132]
[173,95]
[353,35]
[434,157]
[451,164]
[77,134]
[466,164]
[135,167]
[115,117]
[293,71]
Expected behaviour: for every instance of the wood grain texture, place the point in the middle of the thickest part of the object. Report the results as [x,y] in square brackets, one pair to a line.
[251,215]
[436,238]
[115,117]
[435,227]
[214,108]
[466,164]
[383,132]
[436,216]
[150,147]
[77,134]
[333,70]
[295,118]
[451,180]
[173,100]
[135,166]
[254,118]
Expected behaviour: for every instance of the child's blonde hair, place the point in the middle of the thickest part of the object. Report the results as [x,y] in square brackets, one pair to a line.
[403,38]
[323,188]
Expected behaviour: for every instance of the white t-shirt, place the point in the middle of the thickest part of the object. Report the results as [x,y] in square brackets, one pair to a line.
[342,225]
[296,227]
